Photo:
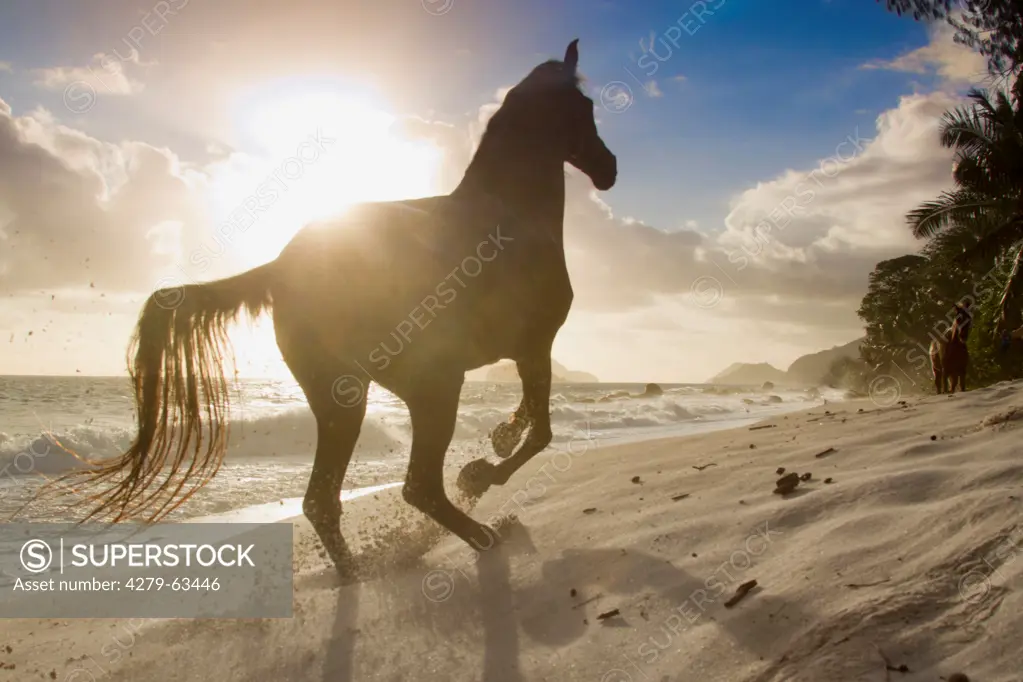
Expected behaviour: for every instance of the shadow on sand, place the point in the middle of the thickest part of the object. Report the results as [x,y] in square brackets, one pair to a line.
[545,613]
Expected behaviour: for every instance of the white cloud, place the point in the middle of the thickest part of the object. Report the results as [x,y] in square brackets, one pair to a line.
[955,64]
[6,67]
[79,209]
[652,89]
[106,73]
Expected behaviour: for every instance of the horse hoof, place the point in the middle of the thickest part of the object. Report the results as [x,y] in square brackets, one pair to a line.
[504,438]
[476,477]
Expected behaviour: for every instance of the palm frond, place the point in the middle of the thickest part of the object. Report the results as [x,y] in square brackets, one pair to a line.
[951,208]
[998,235]
[967,131]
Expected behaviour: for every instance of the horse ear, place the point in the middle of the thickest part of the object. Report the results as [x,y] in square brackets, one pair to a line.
[572,55]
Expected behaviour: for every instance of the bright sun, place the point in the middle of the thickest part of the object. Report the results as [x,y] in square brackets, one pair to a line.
[305,154]
[314,154]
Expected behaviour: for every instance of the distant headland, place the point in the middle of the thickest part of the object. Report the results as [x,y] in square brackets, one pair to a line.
[505,372]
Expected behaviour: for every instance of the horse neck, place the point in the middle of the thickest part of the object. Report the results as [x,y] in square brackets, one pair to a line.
[525,177]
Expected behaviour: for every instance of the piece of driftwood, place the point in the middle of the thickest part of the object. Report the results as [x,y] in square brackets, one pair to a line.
[764,426]
[676,498]
[593,598]
[701,468]
[856,586]
[740,592]
[825,453]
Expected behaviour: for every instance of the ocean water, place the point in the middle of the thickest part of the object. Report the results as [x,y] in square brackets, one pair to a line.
[47,423]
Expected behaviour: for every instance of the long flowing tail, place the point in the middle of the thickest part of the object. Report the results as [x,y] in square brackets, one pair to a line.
[181,397]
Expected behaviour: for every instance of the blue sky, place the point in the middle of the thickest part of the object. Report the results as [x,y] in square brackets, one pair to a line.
[764,89]
[741,106]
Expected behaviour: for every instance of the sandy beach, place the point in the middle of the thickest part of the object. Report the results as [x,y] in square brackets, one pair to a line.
[902,546]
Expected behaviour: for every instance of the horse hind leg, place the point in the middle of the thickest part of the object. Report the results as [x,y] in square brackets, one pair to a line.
[433,407]
[338,423]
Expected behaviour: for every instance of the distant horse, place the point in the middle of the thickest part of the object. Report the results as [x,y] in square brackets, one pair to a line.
[370,298]
[949,360]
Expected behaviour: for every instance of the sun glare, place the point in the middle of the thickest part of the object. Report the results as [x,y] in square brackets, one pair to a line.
[305,154]
[308,155]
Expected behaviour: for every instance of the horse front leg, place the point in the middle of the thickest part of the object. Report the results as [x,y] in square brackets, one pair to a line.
[535,371]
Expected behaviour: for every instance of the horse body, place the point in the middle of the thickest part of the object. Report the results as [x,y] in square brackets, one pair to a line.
[409,295]
[426,284]
[949,360]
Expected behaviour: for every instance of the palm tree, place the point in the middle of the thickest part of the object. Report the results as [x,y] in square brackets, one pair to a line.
[983,215]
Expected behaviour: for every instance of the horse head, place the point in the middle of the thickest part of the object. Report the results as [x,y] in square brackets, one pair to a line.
[549,110]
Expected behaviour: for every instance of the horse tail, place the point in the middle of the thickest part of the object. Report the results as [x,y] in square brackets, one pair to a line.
[181,397]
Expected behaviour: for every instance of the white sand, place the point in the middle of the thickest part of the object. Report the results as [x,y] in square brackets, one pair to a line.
[910,549]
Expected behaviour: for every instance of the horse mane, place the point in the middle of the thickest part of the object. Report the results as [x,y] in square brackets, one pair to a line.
[548,76]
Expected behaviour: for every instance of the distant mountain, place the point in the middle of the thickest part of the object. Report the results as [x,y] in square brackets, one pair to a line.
[506,372]
[807,370]
[745,374]
[810,369]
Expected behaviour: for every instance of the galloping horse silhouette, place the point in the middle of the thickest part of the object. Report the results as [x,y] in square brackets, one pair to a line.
[344,291]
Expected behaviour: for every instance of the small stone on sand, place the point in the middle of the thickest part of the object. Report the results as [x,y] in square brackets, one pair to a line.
[786,484]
